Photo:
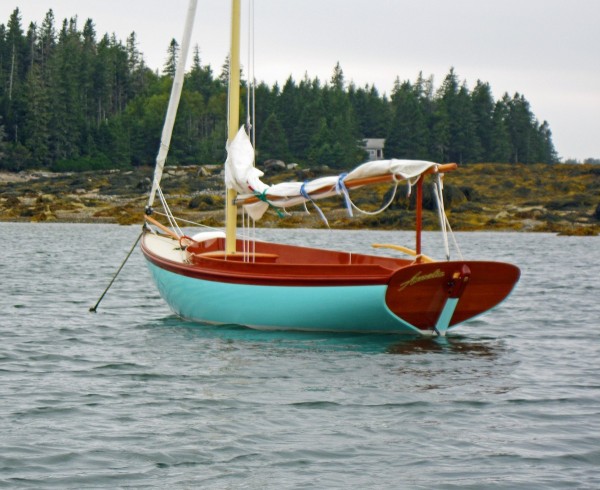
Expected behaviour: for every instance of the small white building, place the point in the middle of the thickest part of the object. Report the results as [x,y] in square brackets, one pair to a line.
[374,147]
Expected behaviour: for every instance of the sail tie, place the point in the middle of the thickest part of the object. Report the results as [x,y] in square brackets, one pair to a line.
[341,189]
[306,196]
[262,196]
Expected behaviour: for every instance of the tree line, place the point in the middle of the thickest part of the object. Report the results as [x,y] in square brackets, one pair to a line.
[70,100]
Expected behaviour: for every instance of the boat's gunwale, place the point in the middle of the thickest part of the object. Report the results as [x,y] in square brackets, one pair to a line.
[277,274]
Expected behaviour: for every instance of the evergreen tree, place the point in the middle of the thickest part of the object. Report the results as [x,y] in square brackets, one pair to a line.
[136,70]
[265,105]
[3,146]
[185,144]
[500,148]
[200,78]
[520,125]
[408,134]
[320,152]
[483,113]
[86,69]
[337,79]
[466,144]
[37,118]
[440,135]
[46,42]
[172,57]
[288,110]
[548,152]
[134,57]
[273,142]
[16,53]
[372,111]
[307,128]
[455,120]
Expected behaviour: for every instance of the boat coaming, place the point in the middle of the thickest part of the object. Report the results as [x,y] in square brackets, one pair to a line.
[285,287]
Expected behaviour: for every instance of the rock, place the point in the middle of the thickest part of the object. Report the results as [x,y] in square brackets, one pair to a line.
[204,171]
[292,166]
[45,198]
[175,171]
[274,165]
[12,202]
[144,184]
[596,214]
[305,173]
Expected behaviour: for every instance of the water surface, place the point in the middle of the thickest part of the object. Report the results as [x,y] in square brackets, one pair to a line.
[133,397]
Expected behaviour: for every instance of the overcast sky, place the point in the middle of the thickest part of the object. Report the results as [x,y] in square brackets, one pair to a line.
[547,50]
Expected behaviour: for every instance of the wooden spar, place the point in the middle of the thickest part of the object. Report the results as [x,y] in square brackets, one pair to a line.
[353,184]
[408,251]
[168,231]
[419,213]
[233,121]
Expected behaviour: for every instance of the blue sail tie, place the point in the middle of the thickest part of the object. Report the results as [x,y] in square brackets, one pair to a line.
[341,188]
[305,195]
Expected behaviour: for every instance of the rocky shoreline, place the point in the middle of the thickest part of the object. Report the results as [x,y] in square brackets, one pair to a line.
[546,198]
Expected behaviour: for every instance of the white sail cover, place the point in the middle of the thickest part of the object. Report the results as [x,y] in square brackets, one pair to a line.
[241,175]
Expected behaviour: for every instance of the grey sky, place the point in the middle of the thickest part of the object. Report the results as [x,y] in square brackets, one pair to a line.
[547,50]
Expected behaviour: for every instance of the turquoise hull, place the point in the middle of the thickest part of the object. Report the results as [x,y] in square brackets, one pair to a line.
[321,308]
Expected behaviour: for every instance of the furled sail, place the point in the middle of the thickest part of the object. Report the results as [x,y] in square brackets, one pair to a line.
[256,196]
[240,173]
[165,139]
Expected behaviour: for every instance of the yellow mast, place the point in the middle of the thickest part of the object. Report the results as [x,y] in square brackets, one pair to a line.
[233,119]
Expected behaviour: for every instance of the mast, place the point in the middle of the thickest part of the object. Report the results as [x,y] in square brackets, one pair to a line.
[233,121]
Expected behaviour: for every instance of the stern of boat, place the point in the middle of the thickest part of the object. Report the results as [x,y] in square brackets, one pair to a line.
[436,296]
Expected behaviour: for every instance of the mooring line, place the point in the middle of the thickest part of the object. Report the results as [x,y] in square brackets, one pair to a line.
[95,307]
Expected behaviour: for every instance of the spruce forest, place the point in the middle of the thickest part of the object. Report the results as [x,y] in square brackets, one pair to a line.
[72,100]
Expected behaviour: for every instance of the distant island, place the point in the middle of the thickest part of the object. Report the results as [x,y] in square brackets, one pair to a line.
[81,117]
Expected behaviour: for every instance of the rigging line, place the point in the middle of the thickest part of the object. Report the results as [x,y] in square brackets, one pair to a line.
[454,239]
[384,207]
[249,70]
[189,222]
[439,197]
[94,308]
[245,239]
[251,79]
[254,237]
[253,65]
[248,236]
[243,231]
[169,214]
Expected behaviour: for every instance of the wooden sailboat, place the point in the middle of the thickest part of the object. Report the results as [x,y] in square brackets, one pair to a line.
[219,278]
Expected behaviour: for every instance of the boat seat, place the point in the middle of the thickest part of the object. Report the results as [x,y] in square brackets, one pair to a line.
[241,257]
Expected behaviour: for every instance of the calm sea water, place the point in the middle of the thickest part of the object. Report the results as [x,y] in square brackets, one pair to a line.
[133,397]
